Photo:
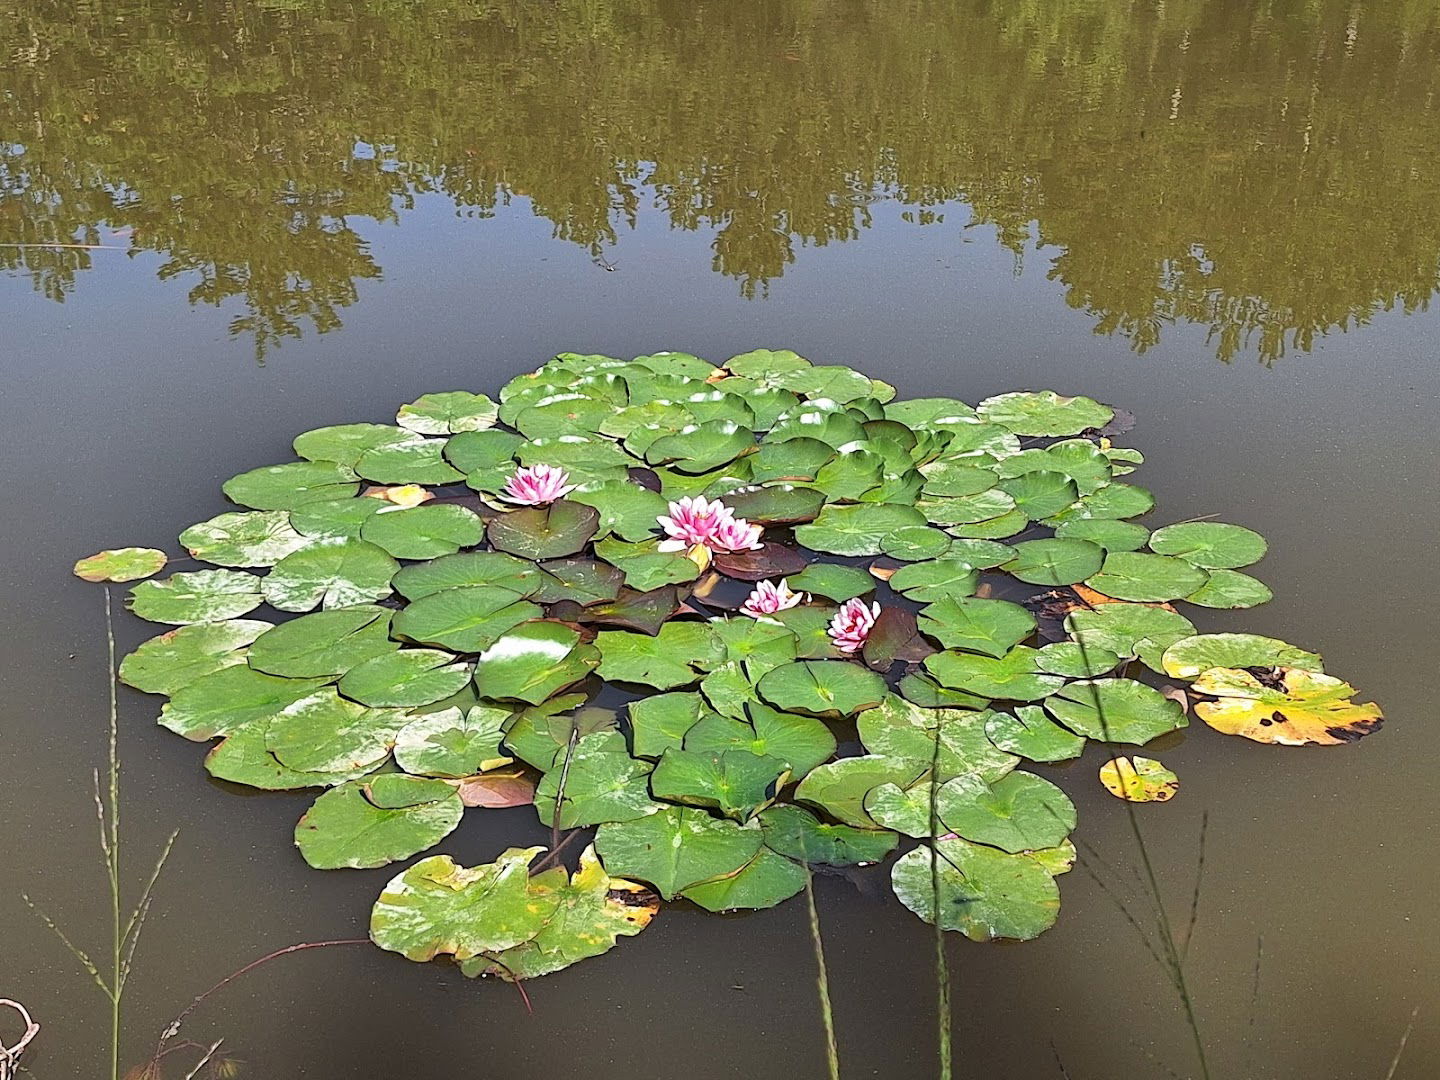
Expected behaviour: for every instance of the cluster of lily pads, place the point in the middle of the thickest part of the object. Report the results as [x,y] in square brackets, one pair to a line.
[739,620]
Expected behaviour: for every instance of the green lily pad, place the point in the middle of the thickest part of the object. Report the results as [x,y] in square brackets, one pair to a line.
[1019,812]
[335,518]
[595,909]
[1210,544]
[839,787]
[737,783]
[1076,659]
[1033,735]
[1039,494]
[626,509]
[520,576]
[585,581]
[1129,630]
[544,532]
[969,509]
[779,504]
[766,880]
[1110,535]
[1014,676]
[1115,710]
[659,722]
[327,643]
[1191,656]
[984,893]
[898,728]
[766,364]
[1044,412]
[674,657]
[284,487]
[343,444]
[856,530]
[195,597]
[997,528]
[825,381]
[243,758]
[540,735]
[423,532]
[247,538]
[646,567]
[602,784]
[832,581]
[325,733]
[346,829]
[922,690]
[701,447]
[1231,589]
[332,573]
[224,701]
[799,742]
[1111,503]
[483,451]
[797,460]
[452,743]
[794,831]
[1134,575]
[1055,562]
[437,907]
[418,462]
[466,619]
[407,677]
[822,687]
[534,661]
[916,542]
[977,624]
[177,658]
[446,413]
[676,848]
[121,564]
[955,477]
[853,471]
[1079,459]
[940,579]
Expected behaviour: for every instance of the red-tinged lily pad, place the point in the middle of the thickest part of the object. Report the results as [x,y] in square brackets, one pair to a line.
[769,561]
[498,789]
[895,636]
[643,611]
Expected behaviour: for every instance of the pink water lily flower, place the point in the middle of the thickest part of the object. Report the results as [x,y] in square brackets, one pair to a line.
[852,624]
[691,521]
[538,485]
[768,598]
[695,521]
[736,534]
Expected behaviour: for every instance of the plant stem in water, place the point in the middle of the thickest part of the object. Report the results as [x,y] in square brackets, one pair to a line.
[822,980]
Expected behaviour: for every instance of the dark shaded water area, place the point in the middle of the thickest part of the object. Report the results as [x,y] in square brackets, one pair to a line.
[1222,216]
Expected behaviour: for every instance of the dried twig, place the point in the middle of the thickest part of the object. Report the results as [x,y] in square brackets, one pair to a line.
[10,1055]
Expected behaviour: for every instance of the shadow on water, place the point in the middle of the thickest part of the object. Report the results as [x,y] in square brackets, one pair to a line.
[1262,170]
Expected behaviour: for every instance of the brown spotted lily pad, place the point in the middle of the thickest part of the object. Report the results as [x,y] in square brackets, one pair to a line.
[1285,705]
[1139,779]
[120,564]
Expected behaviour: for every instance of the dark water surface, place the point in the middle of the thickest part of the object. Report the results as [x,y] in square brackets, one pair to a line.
[1221,215]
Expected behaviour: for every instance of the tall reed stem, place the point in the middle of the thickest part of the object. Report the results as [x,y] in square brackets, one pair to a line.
[822,979]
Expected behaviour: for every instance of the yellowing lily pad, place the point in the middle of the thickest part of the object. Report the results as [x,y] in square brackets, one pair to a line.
[1139,779]
[121,564]
[1289,706]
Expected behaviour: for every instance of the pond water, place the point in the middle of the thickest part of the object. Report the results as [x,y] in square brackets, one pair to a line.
[258,218]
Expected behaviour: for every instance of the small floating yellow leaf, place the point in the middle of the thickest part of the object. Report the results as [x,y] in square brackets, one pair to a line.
[1139,779]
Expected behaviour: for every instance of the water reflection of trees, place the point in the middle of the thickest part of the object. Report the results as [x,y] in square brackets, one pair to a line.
[1262,169]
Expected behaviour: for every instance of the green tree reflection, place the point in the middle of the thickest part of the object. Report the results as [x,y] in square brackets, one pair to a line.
[1262,168]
